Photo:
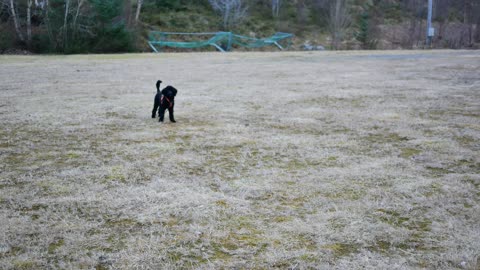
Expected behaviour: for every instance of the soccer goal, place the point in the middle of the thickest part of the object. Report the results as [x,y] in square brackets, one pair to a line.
[222,41]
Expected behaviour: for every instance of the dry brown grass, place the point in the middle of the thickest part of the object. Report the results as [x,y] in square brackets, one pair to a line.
[278,160]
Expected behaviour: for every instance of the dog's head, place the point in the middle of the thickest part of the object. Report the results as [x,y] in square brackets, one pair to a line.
[169,91]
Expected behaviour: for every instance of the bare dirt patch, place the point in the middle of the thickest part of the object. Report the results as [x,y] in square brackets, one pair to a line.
[278,160]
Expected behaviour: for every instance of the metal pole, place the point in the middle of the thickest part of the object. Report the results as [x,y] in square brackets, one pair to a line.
[429,23]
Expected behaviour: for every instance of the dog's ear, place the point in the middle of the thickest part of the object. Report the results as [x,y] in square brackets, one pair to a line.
[165,90]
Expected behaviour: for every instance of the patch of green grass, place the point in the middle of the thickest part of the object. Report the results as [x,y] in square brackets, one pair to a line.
[345,194]
[72,155]
[280,219]
[475,183]
[52,247]
[308,163]
[417,225]
[224,248]
[466,140]
[409,152]
[12,251]
[122,223]
[432,189]
[437,171]
[116,241]
[341,249]
[16,160]
[382,138]
[467,205]
[310,258]
[381,246]
[116,174]
[332,158]
[306,241]
[219,252]
[385,247]
[243,234]
[221,203]
[338,224]
[466,165]
[52,188]
[290,201]
[392,217]
[5,144]
[24,264]
[171,222]
[295,164]
[35,207]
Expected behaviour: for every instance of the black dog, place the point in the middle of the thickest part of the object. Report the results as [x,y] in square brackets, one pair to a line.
[164,100]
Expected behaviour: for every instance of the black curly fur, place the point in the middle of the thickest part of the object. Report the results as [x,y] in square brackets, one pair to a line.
[156,101]
[164,100]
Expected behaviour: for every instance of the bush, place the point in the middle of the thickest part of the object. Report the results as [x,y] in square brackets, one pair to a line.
[6,40]
[113,40]
[110,36]
[364,33]
[41,44]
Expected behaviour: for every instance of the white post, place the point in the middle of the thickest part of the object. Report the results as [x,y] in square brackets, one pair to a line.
[429,24]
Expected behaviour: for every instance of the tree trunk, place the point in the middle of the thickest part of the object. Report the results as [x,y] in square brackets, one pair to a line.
[65,24]
[77,13]
[139,9]
[127,12]
[29,23]
[338,21]
[276,8]
[467,20]
[15,21]
[413,28]
[476,37]
[49,28]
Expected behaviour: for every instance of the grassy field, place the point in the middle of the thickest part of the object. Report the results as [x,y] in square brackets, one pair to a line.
[328,160]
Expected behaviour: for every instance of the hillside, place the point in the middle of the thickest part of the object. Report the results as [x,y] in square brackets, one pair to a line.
[113,26]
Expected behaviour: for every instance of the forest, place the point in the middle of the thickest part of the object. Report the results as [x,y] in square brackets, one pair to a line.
[114,26]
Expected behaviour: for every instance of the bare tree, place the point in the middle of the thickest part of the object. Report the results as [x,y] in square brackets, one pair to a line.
[77,13]
[301,12]
[276,7]
[232,11]
[139,8]
[467,19]
[29,22]
[476,11]
[65,23]
[338,21]
[16,21]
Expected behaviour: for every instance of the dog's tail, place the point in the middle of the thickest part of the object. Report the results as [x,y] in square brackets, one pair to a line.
[158,86]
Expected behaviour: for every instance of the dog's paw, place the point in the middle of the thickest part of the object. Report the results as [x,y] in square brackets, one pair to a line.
[173,121]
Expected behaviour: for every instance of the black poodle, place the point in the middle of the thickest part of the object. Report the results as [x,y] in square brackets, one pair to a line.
[164,100]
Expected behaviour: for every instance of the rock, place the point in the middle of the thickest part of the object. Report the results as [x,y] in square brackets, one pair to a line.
[12,51]
[308,47]
[4,248]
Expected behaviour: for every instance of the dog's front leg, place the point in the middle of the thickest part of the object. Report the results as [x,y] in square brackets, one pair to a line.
[161,113]
[170,114]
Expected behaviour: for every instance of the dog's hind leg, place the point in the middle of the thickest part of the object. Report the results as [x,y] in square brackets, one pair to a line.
[155,107]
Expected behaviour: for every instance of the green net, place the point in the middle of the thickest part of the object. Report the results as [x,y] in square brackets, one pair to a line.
[222,41]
